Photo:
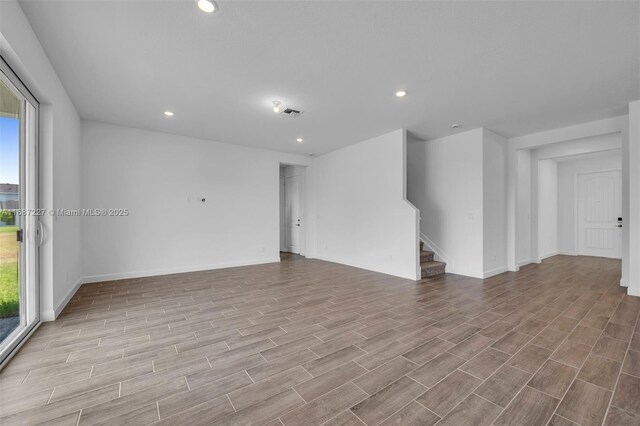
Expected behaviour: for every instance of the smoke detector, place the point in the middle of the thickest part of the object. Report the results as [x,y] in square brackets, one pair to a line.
[290,112]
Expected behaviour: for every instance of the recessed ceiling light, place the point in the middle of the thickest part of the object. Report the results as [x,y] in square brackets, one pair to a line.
[168,113]
[456,126]
[300,140]
[401,93]
[208,6]
[277,106]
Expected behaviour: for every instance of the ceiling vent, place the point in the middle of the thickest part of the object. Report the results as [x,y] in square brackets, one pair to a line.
[293,113]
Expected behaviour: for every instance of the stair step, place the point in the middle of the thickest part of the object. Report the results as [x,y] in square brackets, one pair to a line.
[426,256]
[421,245]
[432,269]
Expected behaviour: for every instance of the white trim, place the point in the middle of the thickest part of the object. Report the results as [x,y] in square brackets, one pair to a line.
[623,284]
[546,256]
[567,252]
[543,257]
[633,291]
[523,262]
[51,315]
[157,272]
[494,272]
[442,256]
[368,267]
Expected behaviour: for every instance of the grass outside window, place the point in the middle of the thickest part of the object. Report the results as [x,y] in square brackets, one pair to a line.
[9,290]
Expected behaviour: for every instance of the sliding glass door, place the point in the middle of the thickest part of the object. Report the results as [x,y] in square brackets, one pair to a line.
[19,234]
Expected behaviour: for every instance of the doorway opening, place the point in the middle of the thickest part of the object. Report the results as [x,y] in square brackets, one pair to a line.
[292,209]
[570,199]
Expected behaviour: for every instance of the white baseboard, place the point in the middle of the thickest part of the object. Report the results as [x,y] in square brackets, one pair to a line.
[466,273]
[567,252]
[370,267]
[548,255]
[48,315]
[51,315]
[523,262]
[544,256]
[623,284]
[494,272]
[169,271]
[633,291]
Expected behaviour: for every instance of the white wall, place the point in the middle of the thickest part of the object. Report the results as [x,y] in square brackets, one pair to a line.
[355,211]
[523,220]
[361,214]
[445,183]
[567,171]
[60,255]
[494,169]
[152,174]
[547,208]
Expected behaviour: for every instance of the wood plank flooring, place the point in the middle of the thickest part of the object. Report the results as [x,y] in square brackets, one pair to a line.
[308,342]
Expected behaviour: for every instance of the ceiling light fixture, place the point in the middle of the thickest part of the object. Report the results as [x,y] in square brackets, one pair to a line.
[277,106]
[401,93]
[300,140]
[207,6]
[168,113]
[456,126]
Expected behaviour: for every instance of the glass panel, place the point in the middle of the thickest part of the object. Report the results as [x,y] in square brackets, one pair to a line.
[10,289]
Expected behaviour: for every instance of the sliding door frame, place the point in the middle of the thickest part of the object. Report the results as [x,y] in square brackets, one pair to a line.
[29,261]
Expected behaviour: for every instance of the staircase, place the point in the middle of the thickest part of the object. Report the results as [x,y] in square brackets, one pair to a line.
[430,268]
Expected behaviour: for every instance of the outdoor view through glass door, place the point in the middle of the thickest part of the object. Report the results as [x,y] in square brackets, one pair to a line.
[19,310]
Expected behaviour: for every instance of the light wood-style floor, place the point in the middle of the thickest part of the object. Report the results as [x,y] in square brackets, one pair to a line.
[307,342]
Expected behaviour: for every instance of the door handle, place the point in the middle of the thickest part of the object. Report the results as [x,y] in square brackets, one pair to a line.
[40,233]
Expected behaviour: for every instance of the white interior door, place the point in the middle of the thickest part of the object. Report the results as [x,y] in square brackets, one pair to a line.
[599,207]
[283,223]
[293,213]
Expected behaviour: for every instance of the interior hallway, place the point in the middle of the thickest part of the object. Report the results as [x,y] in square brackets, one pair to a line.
[308,342]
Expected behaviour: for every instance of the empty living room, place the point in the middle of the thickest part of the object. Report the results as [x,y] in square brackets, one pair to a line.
[319,212]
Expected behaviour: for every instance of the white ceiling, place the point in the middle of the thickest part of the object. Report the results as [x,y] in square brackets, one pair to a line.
[514,67]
